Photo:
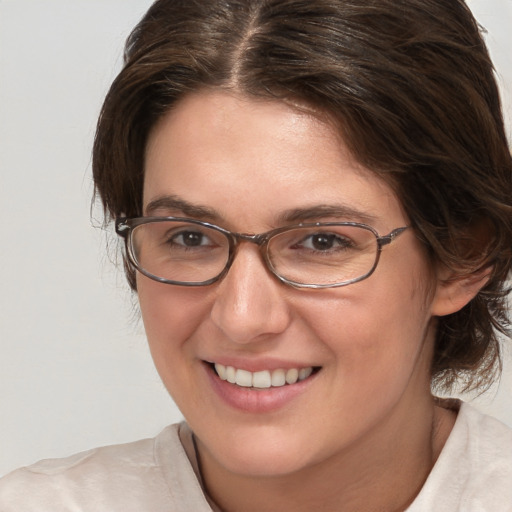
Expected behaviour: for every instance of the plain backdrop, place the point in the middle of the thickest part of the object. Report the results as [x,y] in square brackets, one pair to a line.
[75,371]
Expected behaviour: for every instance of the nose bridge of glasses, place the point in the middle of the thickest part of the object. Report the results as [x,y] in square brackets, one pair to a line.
[259,239]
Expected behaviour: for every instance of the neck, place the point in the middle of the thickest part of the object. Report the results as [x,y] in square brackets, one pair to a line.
[385,470]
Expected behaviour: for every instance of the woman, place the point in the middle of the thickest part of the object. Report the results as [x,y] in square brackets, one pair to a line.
[315,199]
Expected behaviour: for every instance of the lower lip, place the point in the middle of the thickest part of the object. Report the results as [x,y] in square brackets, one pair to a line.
[256,400]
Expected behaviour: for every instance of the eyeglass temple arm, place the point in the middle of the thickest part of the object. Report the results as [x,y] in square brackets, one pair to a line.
[122,228]
[387,239]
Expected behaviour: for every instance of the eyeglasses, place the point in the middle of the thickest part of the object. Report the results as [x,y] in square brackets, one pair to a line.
[189,252]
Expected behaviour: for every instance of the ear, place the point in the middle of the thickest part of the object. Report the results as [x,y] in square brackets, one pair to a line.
[453,291]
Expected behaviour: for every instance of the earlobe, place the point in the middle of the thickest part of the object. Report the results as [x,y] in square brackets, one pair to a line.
[454,292]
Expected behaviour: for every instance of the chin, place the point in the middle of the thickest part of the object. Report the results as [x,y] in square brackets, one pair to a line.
[259,451]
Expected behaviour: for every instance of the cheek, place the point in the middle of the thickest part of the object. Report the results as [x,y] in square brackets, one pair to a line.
[373,327]
[170,315]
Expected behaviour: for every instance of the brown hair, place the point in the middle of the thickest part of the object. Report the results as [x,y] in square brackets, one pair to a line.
[411,85]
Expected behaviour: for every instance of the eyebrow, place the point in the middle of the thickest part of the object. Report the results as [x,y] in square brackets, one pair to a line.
[319,212]
[171,205]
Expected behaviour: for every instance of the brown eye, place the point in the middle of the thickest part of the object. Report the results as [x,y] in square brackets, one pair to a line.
[190,239]
[323,242]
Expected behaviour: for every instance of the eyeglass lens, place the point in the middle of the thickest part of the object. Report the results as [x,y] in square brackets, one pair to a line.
[191,253]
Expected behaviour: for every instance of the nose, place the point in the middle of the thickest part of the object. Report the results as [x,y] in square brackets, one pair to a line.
[250,302]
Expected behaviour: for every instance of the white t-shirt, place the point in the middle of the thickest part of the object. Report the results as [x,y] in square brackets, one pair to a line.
[472,474]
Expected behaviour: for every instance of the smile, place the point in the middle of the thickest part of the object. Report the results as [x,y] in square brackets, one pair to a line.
[263,379]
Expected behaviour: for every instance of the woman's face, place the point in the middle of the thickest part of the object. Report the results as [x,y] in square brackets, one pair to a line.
[249,166]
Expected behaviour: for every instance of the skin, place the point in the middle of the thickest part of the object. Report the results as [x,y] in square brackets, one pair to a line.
[365,432]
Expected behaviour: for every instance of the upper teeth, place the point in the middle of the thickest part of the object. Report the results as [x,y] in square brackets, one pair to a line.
[262,379]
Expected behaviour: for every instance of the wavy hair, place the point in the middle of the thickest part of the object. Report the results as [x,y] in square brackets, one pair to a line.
[411,87]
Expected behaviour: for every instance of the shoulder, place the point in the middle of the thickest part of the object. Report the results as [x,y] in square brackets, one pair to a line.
[474,471]
[486,433]
[127,477]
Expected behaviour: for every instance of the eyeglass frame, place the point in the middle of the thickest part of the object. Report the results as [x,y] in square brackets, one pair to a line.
[124,226]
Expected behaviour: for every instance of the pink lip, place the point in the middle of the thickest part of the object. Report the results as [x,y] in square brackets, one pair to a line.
[256,401]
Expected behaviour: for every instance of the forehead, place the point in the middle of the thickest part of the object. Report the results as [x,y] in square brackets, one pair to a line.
[249,160]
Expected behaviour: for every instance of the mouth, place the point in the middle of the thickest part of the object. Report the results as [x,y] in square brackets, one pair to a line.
[264,379]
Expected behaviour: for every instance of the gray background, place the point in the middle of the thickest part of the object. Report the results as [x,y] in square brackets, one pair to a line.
[74,368]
